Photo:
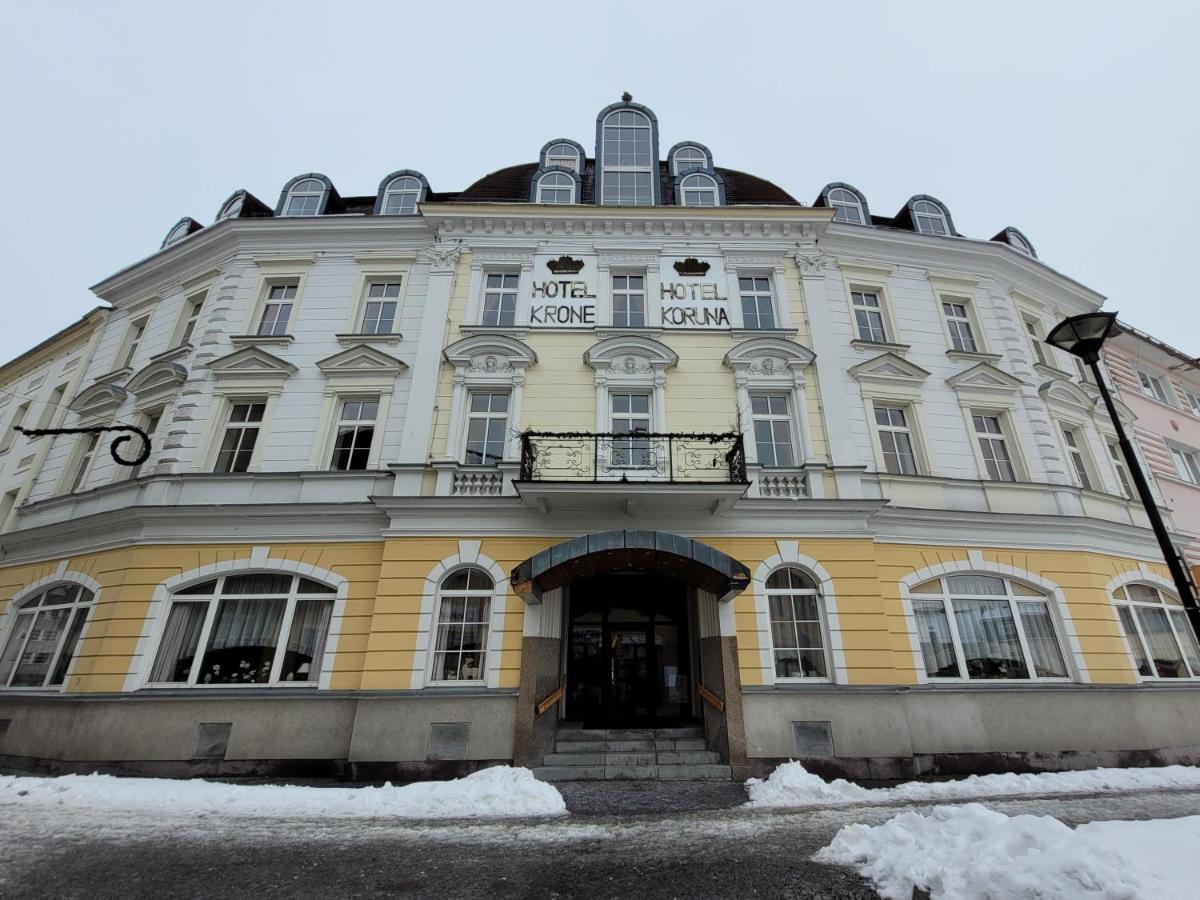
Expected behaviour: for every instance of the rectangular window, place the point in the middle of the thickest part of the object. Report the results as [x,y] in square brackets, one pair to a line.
[10,433]
[631,416]
[487,427]
[7,502]
[1187,464]
[958,321]
[192,316]
[1118,461]
[1074,442]
[132,341]
[895,439]
[868,317]
[937,644]
[1035,340]
[355,433]
[379,314]
[461,638]
[500,300]
[772,429]
[796,634]
[150,425]
[52,406]
[993,446]
[1193,402]
[241,434]
[1153,387]
[277,312]
[629,301]
[87,450]
[758,307]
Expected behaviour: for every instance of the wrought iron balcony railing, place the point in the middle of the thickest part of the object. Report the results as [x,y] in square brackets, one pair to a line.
[633,456]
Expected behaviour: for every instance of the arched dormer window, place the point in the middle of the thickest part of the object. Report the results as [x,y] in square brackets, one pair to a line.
[232,207]
[846,207]
[241,204]
[305,196]
[627,150]
[1018,241]
[44,636]
[698,189]
[180,230]
[562,155]
[557,187]
[1157,631]
[687,156]
[929,216]
[400,193]
[245,629]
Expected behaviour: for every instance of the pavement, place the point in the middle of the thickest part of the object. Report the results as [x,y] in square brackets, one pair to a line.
[622,840]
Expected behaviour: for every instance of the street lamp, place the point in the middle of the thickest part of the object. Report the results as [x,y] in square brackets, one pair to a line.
[1083,336]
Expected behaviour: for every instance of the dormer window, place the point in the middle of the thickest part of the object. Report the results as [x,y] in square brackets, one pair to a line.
[930,218]
[698,189]
[562,155]
[846,207]
[401,196]
[304,198]
[556,187]
[686,157]
[232,207]
[178,233]
[628,175]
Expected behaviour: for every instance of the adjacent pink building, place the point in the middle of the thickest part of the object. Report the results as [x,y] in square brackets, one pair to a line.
[1161,387]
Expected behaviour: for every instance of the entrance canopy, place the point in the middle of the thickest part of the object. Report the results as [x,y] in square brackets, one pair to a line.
[629,550]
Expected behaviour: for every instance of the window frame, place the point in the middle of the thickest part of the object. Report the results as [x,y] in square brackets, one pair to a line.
[135,333]
[269,301]
[83,457]
[552,160]
[627,293]
[634,444]
[1186,461]
[1154,387]
[1127,601]
[484,289]
[540,186]
[1004,422]
[771,294]
[609,169]
[1120,469]
[485,655]
[907,411]
[969,319]
[947,597]
[340,420]
[823,618]
[230,404]
[1191,402]
[390,190]
[857,291]
[292,191]
[20,414]
[682,189]
[787,417]
[1077,452]
[837,205]
[1033,328]
[86,598]
[919,214]
[489,416]
[384,281]
[677,170]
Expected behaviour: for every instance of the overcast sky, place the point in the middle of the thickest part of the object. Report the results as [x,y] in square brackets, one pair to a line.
[1075,122]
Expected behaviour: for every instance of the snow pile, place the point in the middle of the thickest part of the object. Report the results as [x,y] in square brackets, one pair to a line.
[792,785]
[972,853]
[497,792]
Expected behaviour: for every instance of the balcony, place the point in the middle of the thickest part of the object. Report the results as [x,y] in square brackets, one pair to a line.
[593,470]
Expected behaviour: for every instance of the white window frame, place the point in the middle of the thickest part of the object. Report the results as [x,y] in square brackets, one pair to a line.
[1006,435]
[1186,461]
[20,414]
[295,192]
[503,290]
[213,599]
[1120,470]
[969,318]
[1154,386]
[839,204]
[1122,598]
[193,306]
[1077,453]
[1033,327]
[339,420]
[134,335]
[17,609]
[492,364]
[856,306]
[283,272]
[908,429]
[771,294]
[562,160]
[485,664]
[608,451]
[284,300]
[1192,401]
[402,192]
[677,170]
[710,188]
[146,418]
[608,168]
[83,456]
[946,596]
[628,292]
[228,406]
[823,618]
[571,187]
[923,210]
[469,416]
[787,417]
[365,305]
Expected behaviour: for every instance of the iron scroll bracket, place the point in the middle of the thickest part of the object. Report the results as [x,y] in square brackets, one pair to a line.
[117,443]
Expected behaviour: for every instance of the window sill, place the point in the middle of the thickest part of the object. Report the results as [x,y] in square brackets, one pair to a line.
[352,340]
[1052,371]
[174,353]
[974,356]
[860,344]
[114,376]
[261,340]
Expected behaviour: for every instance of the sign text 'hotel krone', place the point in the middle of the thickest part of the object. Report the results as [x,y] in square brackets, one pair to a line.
[690,292]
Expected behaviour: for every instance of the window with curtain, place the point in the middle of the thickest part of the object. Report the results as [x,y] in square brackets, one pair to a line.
[264,628]
[797,632]
[984,627]
[460,642]
[1158,632]
[44,637]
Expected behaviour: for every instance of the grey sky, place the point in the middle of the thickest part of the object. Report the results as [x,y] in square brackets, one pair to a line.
[1075,122]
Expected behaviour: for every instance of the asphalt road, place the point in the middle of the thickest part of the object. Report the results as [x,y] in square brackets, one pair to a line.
[630,841]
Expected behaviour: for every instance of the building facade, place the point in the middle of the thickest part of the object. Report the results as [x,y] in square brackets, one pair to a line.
[627,440]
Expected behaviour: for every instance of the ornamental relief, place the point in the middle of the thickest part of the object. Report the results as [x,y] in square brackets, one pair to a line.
[489,364]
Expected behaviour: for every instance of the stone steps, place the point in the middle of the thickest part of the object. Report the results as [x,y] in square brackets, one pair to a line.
[665,754]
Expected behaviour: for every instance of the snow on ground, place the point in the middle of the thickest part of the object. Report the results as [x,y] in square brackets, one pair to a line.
[496,792]
[792,785]
[972,853]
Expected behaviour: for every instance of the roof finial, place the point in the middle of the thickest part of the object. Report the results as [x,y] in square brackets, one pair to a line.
[626,97]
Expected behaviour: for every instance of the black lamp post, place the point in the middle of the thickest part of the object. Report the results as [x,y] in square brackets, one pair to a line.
[1083,336]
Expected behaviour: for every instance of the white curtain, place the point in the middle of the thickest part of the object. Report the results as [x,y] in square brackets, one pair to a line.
[1043,644]
[178,648]
[1163,648]
[937,647]
[989,639]
[1191,648]
[306,643]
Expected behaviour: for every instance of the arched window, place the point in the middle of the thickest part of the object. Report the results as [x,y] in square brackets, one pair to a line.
[698,189]
[1158,632]
[181,230]
[562,155]
[1018,242]
[847,207]
[628,164]
[984,627]
[232,207]
[556,187]
[401,196]
[245,628]
[688,157]
[304,198]
[460,641]
[929,218]
[797,625]
[44,636]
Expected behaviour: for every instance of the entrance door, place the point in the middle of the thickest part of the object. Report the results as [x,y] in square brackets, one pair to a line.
[627,652]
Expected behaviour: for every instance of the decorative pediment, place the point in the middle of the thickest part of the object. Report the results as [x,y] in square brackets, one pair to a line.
[251,364]
[157,380]
[361,359]
[99,401]
[490,355]
[889,368]
[630,354]
[1060,392]
[984,377]
[767,358]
